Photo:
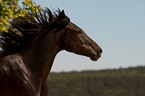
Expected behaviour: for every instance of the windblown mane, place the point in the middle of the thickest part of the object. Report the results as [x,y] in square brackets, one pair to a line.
[34,25]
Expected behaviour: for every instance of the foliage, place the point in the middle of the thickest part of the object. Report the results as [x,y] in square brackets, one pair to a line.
[10,9]
[121,82]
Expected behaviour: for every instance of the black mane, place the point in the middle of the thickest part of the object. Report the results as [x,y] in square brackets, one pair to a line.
[32,26]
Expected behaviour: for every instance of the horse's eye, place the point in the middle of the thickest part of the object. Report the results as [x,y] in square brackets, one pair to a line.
[79,32]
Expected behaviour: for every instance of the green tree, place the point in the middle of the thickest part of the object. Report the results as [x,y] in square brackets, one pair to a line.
[10,9]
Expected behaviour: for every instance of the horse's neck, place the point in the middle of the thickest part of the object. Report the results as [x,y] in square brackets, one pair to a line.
[40,56]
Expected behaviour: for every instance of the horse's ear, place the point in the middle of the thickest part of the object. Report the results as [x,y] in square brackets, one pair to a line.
[62,14]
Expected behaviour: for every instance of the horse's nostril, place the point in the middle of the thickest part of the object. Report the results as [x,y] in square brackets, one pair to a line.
[101,50]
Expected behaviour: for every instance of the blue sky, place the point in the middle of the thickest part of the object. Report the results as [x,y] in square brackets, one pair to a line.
[118,26]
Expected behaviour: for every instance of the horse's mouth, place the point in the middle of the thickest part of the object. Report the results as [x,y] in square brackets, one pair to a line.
[95,58]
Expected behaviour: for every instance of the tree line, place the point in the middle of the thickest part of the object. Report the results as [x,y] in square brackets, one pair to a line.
[121,82]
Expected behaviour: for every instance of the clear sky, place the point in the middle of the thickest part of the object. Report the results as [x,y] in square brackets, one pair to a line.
[118,26]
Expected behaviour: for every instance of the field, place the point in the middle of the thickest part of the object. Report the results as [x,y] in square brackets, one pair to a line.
[115,82]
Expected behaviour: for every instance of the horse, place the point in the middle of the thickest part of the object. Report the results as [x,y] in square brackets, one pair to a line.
[30,46]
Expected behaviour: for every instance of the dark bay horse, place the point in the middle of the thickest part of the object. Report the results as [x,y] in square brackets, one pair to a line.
[29,49]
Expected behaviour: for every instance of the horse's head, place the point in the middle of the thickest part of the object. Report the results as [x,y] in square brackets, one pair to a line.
[78,42]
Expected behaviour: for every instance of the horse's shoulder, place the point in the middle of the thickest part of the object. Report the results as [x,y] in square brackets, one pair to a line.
[4,71]
[3,76]
[7,69]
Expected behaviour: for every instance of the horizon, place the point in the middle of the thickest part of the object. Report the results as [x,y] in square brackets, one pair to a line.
[121,68]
